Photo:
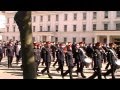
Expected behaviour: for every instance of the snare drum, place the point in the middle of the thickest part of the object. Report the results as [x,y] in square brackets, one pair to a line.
[117,62]
[88,60]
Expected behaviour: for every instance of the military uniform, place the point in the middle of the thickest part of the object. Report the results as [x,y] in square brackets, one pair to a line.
[69,61]
[60,58]
[47,59]
[10,54]
[97,57]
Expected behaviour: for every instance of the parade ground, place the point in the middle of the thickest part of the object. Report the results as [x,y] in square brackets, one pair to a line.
[16,73]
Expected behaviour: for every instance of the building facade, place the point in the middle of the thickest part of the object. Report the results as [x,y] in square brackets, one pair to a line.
[69,26]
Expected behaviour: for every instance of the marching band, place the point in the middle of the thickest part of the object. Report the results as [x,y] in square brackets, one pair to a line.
[78,55]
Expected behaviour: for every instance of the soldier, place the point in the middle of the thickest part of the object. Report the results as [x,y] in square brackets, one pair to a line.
[37,56]
[47,58]
[97,57]
[53,47]
[60,57]
[1,52]
[10,53]
[69,61]
[77,56]
[112,56]
[17,52]
[82,57]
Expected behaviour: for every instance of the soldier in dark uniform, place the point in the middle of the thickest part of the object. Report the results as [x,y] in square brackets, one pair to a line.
[82,57]
[37,55]
[10,54]
[1,52]
[69,61]
[47,58]
[97,57]
[17,50]
[77,56]
[111,58]
[60,57]
[53,47]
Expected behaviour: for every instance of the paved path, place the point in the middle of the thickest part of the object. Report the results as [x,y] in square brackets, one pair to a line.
[16,73]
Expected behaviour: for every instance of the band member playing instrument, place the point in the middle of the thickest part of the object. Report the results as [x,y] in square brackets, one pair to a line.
[82,57]
[97,58]
[112,57]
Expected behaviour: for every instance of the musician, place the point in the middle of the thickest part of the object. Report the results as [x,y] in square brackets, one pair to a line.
[97,58]
[10,53]
[112,57]
[69,61]
[82,57]
[47,58]
[60,58]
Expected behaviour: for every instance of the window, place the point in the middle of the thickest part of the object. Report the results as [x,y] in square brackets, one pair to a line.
[56,39]
[7,38]
[93,40]
[65,28]
[33,28]
[65,17]
[117,26]
[94,15]
[65,39]
[56,27]
[13,38]
[118,14]
[7,29]
[57,17]
[13,28]
[106,14]
[84,16]
[94,26]
[75,16]
[41,18]
[48,28]
[34,19]
[83,39]
[48,17]
[74,27]
[40,28]
[84,27]
[105,26]
[7,20]
[33,39]
[74,39]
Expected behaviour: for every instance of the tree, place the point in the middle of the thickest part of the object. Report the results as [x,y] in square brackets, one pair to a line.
[23,20]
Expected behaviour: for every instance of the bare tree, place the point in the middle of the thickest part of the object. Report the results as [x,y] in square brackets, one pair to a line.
[23,20]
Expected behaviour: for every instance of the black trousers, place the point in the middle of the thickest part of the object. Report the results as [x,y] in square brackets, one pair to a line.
[70,69]
[17,58]
[108,64]
[112,71]
[82,64]
[55,62]
[47,64]
[78,64]
[53,54]
[10,59]
[97,72]
[61,64]
[1,56]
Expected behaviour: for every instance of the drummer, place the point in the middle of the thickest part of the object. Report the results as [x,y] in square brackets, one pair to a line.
[97,58]
[112,56]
